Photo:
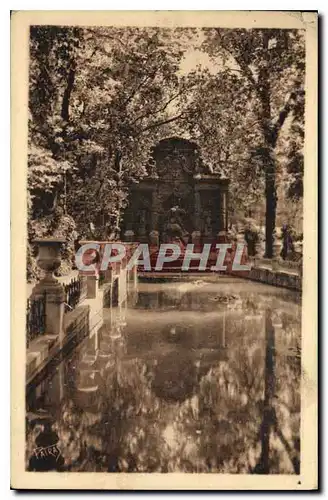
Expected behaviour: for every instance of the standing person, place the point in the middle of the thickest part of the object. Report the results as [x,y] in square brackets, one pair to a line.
[114,234]
[92,229]
[251,238]
[287,242]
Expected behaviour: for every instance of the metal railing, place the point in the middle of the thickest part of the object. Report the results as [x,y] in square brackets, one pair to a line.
[35,318]
[102,278]
[74,291]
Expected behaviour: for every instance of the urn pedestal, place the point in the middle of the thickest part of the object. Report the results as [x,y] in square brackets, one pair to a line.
[154,238]
[276,247]
[49,260]
[196,237]
[129,235]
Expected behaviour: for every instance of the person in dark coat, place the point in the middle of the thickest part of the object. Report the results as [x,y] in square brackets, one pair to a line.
[287,242]
[251,238]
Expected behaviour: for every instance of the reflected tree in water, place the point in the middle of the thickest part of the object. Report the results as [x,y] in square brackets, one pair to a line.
[195,407]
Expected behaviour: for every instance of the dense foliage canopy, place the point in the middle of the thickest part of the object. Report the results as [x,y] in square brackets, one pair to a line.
[100,98]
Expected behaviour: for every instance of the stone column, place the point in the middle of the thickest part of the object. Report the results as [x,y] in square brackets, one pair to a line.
[197,210]
[226,210]
[223,211]
[129,231]
[154,235]
[92,286]
[154,210]
[49,260]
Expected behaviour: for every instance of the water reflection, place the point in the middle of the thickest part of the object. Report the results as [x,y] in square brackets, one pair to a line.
[187,377]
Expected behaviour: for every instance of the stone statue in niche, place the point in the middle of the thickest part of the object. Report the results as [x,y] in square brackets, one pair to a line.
[174,229]
[207,224]
[197,166]
[152,170]
[143,209]
[142,223]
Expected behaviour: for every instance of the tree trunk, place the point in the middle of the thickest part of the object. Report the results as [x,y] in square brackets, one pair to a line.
[268,420]
[269,162]
[271,200]
[269,165]
[67,94]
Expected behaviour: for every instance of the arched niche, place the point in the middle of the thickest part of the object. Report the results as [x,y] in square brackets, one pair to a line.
[178,181]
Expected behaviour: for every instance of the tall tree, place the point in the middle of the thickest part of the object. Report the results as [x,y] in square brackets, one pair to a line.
[125,87]
[219,112]
[110,94]
[99,99]
[52,61]
[270,63]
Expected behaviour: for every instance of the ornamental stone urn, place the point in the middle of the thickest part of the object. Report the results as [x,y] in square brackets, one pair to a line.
[129,235]
[49,260]
[154,238]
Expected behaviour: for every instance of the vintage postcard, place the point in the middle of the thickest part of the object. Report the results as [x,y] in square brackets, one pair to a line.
[164,250]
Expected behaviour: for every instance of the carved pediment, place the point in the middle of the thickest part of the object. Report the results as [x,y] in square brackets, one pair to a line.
[175,159]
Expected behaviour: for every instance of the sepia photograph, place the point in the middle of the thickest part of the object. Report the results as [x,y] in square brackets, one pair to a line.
[164,261]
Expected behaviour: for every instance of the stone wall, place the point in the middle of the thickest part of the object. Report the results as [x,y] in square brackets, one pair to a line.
[48,349]
[273,277]
[77,322]
[64,330]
